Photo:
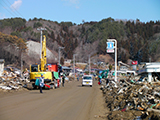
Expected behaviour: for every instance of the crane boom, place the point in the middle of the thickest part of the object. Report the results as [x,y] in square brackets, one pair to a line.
[43,54]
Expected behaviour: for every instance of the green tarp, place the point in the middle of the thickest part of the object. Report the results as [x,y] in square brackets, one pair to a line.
[104,73]
[114,74]
[37,82]
[56,75]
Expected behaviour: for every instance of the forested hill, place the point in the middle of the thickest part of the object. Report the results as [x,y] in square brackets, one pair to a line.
[136,40]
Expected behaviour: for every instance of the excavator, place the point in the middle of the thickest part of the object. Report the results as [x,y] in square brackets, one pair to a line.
[37,69]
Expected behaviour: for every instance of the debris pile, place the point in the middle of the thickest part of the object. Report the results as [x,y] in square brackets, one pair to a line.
[12,81]
[128,99]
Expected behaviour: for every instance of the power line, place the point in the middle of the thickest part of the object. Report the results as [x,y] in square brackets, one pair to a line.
[16,14]
[8,10]
[15,9]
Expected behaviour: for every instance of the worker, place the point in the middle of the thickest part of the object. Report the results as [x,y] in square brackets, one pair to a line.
[96,77]
[107,81]
[100,81]
[41,83]
[58,82]
[77,77]
[63,80]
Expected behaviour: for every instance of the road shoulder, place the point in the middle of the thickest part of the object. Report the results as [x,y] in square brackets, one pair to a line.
[98,106]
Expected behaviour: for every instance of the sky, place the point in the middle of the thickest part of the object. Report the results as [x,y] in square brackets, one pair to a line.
[76,11]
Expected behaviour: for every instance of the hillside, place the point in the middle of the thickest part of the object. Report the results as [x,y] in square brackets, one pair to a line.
[34,47]
[136,40]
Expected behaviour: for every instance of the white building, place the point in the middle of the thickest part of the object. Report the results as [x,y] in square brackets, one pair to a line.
[150,68]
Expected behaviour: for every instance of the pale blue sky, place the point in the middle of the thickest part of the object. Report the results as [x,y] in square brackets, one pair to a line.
[77,10]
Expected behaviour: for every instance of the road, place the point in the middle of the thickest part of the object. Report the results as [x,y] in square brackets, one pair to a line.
[72,102]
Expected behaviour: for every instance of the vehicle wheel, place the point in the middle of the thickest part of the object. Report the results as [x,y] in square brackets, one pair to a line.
[90,85]
[82,85]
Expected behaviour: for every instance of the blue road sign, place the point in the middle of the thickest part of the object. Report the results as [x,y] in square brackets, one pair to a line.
[110,45]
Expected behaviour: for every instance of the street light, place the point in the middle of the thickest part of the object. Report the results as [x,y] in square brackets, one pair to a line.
[59,54]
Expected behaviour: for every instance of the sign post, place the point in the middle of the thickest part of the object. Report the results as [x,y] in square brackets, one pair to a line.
[111,45]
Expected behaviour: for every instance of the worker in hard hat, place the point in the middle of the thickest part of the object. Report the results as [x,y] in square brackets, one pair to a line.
[41,83]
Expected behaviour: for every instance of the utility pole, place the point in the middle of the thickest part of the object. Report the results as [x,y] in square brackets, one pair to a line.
[74,64]
[150,59]
[21,62]
[89,65]
[115,60]
[59,54]
[40,29]
[21,52]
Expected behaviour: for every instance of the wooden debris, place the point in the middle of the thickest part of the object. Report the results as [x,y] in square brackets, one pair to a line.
[128,95]
[11,81]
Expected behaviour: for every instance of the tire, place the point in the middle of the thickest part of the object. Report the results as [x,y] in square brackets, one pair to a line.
[90,85]
[82,85]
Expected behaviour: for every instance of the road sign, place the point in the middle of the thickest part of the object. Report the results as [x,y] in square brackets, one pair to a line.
[110,45]
[110,50]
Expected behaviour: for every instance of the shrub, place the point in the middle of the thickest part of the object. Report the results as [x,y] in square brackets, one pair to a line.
[37,24]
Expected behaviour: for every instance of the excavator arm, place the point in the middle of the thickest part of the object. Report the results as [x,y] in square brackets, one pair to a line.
[43,54]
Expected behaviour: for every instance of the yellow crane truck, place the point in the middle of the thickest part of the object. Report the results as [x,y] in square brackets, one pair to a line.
[37,69]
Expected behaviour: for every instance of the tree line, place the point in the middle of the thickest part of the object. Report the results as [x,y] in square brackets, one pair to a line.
[135,39]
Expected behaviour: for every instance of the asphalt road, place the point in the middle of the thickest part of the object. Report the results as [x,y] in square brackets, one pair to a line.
[72,102]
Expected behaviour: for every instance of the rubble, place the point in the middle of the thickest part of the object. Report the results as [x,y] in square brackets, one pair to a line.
[11,81]
[132,99]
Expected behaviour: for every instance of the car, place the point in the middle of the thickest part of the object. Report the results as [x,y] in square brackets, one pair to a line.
[87,80]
